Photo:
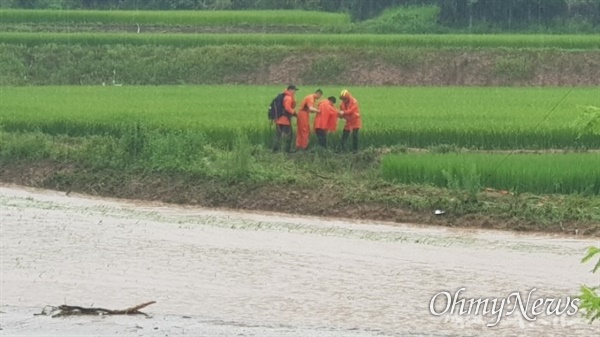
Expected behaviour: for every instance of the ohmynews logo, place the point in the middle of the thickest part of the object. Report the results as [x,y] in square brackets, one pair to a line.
[498,308]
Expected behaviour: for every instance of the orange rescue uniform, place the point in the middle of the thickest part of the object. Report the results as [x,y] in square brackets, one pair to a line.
[332,122]
[351,113]
[326,114]
[303,123]
[289,104]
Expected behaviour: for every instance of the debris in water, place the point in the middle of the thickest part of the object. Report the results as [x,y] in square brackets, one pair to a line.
[70,310]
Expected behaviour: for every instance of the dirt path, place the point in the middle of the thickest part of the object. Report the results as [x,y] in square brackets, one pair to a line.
[217,273]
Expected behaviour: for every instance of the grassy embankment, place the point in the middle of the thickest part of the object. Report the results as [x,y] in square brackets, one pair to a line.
[363,59]
[169,143]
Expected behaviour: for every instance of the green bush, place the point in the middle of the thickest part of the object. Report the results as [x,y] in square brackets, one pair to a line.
[239,162]
[26,145]
[590,299]
[403,20]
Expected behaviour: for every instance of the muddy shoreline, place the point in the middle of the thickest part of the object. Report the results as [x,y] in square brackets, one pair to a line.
[325,199]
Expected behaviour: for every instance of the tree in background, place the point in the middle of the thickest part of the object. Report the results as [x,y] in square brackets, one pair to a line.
[582,9]
[506,13]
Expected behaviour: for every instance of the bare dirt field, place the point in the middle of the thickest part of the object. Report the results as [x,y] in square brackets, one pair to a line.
[222,273]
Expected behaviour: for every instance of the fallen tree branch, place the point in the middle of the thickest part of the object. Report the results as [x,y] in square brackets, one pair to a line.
[71,310]
[132,310]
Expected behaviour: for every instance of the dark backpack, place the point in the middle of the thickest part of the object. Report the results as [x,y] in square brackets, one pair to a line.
[276,108]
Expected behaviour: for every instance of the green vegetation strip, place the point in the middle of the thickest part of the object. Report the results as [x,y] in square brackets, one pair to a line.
[363,41]
[534,173]
[185,167]
[485,118]
[174,18]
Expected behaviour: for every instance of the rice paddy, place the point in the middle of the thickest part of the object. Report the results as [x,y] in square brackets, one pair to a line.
[363,41]
[534,173]
[481,118]
[167,18]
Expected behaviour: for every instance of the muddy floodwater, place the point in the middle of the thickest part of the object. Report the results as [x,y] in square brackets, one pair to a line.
[222,273]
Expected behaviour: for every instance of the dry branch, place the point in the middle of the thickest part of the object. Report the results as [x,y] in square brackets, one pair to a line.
[71,310]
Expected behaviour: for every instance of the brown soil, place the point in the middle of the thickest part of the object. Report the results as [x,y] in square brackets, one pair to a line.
[438,68]
[418,67]
[319,200]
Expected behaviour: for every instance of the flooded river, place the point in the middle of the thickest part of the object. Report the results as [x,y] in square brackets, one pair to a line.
[224,273]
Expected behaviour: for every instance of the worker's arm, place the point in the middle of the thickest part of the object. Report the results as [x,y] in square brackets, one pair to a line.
[350,110]
[287,105]
[309,104]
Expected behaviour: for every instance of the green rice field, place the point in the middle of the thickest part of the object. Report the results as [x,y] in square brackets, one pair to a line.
[482,118]
[167,18]
[544,174]
[363,41]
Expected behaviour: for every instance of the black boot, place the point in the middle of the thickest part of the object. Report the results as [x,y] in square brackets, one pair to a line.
[345,136]
[322,135]
[277,139]
[355,140]
[288,142]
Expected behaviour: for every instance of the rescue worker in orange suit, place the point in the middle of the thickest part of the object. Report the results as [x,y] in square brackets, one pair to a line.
[283,124]
[303,121]
[327,112]
[332,122]
[349,111]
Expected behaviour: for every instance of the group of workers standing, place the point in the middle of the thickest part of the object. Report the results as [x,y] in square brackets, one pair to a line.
[325,121]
